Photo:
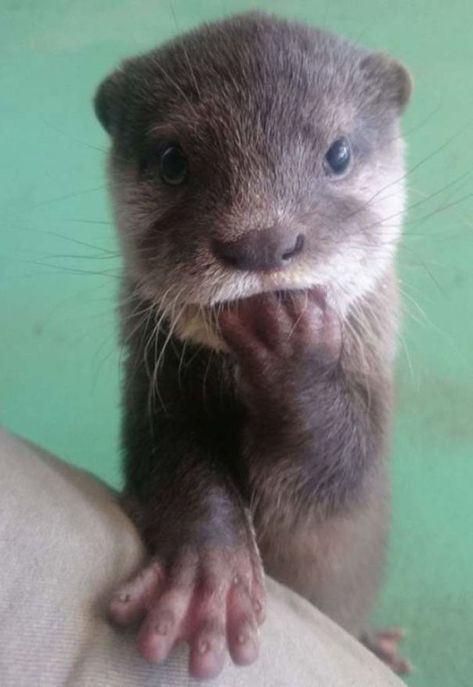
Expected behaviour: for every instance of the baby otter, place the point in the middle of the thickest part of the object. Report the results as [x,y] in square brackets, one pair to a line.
[257,177]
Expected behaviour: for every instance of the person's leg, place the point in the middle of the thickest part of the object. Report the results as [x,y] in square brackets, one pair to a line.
[65,544]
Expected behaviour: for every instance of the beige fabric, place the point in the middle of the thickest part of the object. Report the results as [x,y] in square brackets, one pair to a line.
[65,544]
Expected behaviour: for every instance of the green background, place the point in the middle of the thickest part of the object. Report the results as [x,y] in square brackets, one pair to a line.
[59,361]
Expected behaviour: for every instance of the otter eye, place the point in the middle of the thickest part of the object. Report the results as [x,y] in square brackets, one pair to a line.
[338,156]
[173,165]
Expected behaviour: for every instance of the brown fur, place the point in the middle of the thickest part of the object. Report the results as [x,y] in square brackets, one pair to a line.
[257,397]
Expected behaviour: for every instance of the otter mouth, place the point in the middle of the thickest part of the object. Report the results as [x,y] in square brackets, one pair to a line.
[233,288]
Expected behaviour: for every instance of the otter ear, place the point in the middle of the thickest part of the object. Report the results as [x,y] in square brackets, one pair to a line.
[107,101]
[388,81]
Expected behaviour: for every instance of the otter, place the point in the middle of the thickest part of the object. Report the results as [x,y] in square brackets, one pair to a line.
[258,185]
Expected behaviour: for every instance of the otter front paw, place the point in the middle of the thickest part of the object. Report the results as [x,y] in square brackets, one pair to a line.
[282,342]
[212,598]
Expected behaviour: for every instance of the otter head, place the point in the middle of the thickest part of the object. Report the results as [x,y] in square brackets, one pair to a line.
[255,154]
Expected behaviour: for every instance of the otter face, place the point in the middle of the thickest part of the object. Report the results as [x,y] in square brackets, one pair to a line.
[255,155]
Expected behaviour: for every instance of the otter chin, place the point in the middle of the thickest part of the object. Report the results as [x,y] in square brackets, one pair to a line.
[200,325]
[257,180]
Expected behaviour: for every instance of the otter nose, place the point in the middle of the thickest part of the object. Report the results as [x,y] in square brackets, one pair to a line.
[260,251]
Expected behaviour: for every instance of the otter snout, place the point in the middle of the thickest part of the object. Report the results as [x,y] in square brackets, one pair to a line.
[262,250]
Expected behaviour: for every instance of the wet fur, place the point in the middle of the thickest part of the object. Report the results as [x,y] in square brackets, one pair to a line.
[256,101]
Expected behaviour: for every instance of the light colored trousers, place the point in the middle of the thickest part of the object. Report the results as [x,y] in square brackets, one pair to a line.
[65,544]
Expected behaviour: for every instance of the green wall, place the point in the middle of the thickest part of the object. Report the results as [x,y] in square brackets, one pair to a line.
[59,362]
